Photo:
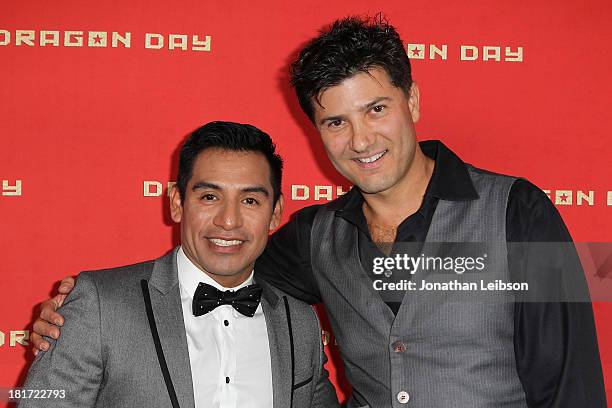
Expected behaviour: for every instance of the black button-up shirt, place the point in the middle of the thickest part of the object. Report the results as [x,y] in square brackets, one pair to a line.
[555,344]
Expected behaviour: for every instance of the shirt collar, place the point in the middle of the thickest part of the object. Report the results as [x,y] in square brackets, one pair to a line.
[190,275]
[450,180]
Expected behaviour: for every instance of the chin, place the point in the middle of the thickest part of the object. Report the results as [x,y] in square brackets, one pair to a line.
[227,271]
[375,186]
[371,190]
[225,274]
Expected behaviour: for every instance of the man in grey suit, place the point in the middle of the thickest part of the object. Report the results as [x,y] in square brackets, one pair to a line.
[192,328]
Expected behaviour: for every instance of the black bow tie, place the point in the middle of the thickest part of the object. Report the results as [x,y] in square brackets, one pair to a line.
[244,300]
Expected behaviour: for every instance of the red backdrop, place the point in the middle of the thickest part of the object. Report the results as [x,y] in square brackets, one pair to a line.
[518,87]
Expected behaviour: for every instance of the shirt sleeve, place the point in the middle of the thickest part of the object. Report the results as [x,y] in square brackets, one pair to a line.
[555,343]
[285,263]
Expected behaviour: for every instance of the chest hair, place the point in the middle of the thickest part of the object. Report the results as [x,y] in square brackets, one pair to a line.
[383,236]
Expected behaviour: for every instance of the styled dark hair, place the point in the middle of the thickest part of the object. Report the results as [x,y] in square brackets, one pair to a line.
[348,46]
[229,136]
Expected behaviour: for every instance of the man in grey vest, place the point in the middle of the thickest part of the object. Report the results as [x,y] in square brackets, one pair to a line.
[415,348]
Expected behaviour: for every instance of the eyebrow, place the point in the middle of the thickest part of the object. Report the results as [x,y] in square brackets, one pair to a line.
[256,189]
[252,189]
[376,102]
[204,184]
[365,107]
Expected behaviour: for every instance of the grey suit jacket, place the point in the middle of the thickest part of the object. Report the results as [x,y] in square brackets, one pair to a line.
[106,357]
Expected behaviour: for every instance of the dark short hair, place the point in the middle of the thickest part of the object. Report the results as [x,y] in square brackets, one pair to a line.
[348,46]
[229,136]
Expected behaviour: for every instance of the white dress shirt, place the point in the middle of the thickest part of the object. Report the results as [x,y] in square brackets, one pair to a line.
[229,353]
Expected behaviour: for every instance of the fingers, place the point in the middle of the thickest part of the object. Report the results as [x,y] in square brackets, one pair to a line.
[48,311]
[43,328]
[49,319]
[66,285]
[39,343]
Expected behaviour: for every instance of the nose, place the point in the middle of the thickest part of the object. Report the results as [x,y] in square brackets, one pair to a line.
[228,216]
[362,137]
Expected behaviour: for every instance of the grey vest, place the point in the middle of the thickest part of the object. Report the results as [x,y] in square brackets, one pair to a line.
[440,350]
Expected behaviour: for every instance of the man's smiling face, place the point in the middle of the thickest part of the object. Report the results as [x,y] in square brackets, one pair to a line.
[227,213]
[367,127]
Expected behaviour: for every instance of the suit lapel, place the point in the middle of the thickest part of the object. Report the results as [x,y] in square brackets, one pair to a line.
[279,341]
[166,303]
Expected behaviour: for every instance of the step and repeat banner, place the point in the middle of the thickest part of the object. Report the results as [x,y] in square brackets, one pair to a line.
[97,97]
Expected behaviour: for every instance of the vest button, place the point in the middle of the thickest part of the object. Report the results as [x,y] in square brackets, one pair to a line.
[403,397]
[399,347]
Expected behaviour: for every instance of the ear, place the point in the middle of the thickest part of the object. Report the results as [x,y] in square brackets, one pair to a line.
[176,205]
[413,102]
[277,214]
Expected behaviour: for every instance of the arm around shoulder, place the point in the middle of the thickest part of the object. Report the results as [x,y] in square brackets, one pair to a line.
[73,362]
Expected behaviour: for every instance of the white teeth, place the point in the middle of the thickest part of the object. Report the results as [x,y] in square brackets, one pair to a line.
[224,243]
[372,158]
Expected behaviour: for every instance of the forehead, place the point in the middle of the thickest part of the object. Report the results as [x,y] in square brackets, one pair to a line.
[357,89]
[231,168]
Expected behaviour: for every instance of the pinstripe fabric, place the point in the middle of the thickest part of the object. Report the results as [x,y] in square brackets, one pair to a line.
[458,352]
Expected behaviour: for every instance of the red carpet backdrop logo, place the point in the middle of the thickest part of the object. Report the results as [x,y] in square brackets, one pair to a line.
[97,98]
[104,39]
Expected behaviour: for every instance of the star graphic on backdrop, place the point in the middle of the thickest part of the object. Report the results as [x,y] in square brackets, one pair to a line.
[563,197]
[416,52]
[98,39]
